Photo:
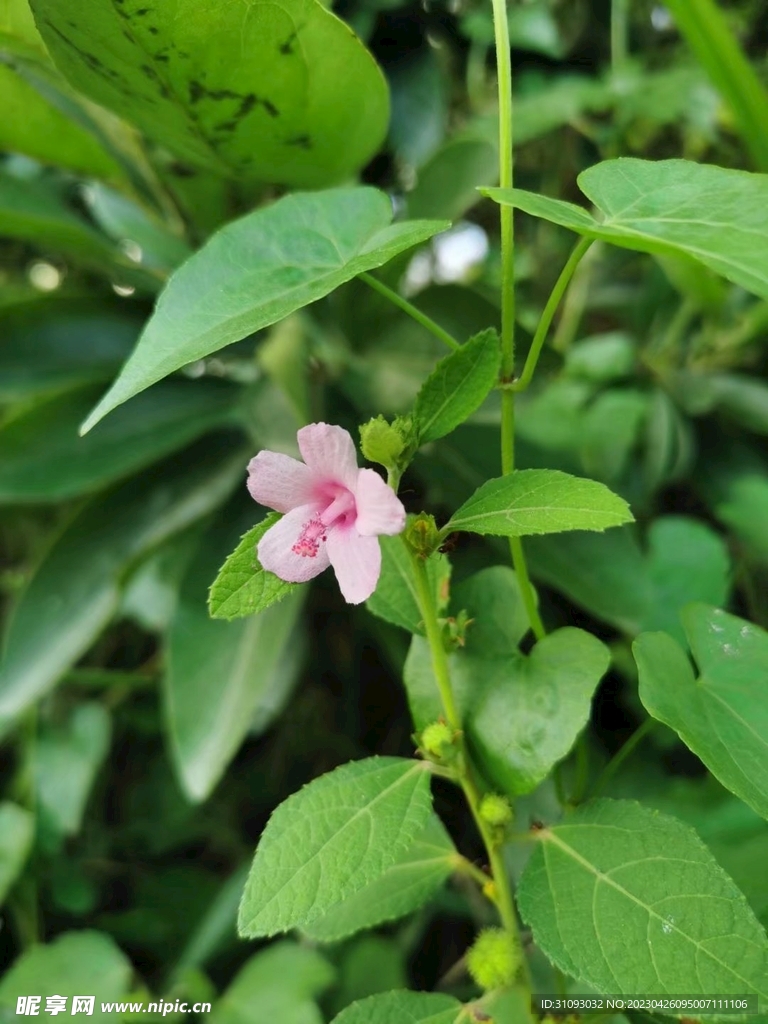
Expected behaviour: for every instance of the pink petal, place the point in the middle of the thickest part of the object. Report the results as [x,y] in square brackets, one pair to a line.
[329,452]
[379,510]
[275,548]
[356,561]
[279,482]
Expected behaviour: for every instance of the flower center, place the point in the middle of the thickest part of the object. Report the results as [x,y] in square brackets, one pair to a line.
[313,532]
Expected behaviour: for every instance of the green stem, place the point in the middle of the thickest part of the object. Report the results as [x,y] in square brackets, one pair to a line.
[504,74]
[578,253]
[526,588]
[622,754]
[410,309]
[441,670]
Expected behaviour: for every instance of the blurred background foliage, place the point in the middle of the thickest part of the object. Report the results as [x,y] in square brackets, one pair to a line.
[144,745]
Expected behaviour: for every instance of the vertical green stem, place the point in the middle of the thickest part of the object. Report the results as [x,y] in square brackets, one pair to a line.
[441,670]
[504,73]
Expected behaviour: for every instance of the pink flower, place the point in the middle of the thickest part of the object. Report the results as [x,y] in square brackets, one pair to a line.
[334,512]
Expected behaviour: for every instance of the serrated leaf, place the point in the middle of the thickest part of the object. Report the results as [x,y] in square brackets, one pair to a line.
[335,836]
[307,108]
[395,598]
[531,501]
[715,215]
[257,270]
[403,1008]
[723,714]
[457,386]
[630,901]
[242,586]
[405,886]
[75,963]
[17,829]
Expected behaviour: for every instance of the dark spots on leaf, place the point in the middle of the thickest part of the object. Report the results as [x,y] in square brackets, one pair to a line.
[151,73]
[226,126]
[300,141]
[142,11]
[196,91]
[162,57]
[249,102]
[286,48]
[152,30]
[270,108]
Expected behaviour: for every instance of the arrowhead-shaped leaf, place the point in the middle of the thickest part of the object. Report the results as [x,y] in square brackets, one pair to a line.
[669,207]
[257,270]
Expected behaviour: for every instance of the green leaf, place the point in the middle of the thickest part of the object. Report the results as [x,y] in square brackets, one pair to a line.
[220,676]
[76,588]
[44,459]
[403,1008]
[256,271]
[457,386]
[76,963]
[635,590]
[723,714]
[394,599]
[242,587]
[282,981]
[447,183]
[17,830]
[717,216]
[67,759]
[58,342]
[628,900]
[531,501]
[602,358]
[307,108]
[33,126]
[493,602]
[404,887]
[331,839]
[736,487]
[529,710]
[611,430]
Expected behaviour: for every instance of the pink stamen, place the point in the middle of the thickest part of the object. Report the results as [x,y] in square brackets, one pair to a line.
[311,534]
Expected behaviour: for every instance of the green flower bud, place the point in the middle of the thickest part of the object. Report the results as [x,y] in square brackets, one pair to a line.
[494,959]
[422,535]
[381,442]
[495,810]
[436,739]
